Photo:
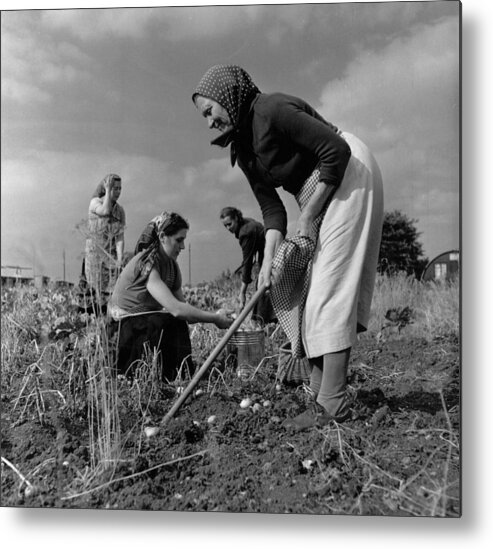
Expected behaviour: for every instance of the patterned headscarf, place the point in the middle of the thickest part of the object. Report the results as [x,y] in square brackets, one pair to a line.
[233,88]
[149,241]
[150,234]
[100,189]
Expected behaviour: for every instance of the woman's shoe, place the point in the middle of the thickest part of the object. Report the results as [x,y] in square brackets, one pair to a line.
[315,416]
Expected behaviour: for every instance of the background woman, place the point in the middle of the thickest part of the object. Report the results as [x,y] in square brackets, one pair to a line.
[251,238]
[279,140]
[148,302]
[104,239]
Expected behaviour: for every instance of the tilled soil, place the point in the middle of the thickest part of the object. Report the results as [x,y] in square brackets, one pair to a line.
[397,455]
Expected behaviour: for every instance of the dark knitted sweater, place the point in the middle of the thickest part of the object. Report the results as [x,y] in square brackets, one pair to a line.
[250,235]
[278,143]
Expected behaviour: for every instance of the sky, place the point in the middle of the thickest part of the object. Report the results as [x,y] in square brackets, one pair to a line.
[87,92]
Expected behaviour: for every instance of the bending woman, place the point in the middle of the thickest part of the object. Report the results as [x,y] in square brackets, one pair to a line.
[280,141]
[251,238]
[148,303]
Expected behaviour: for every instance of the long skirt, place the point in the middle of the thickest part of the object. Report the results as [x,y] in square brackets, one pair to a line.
[88,300]
[344,266]
[163,332]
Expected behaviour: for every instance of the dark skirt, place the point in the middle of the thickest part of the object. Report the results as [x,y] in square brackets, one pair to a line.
[161,331]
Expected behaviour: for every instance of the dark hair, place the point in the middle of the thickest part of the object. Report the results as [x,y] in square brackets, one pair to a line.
[172,225]
[230,211]
[100,190]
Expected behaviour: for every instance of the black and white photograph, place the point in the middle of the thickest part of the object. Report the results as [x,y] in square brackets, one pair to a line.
[231,259]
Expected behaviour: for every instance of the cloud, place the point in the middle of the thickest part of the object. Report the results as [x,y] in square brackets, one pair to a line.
[100,24]
[413,80]
[212,22]
[171,23]
[178,24]
[403,100]
[34,62]
[15,90]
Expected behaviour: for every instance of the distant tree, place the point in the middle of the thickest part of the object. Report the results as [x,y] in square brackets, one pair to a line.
[400,249]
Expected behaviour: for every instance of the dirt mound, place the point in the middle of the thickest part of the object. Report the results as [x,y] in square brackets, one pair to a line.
[398,455]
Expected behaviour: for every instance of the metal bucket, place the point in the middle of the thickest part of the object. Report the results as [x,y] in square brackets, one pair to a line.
[247,347]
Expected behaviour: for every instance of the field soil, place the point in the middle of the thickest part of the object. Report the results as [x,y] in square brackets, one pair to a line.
[397,455]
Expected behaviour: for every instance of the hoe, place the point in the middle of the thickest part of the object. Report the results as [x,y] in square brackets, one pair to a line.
[215,352]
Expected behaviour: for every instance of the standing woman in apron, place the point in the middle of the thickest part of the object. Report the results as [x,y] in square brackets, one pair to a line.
[278,140]
[104,241]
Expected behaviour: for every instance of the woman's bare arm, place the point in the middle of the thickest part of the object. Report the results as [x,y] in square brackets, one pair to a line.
[273,239]
[323,193]
[180,309]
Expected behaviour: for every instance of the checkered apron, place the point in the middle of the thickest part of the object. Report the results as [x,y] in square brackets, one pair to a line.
[293,262]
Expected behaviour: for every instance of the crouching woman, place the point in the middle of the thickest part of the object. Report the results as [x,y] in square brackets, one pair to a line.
[149,307]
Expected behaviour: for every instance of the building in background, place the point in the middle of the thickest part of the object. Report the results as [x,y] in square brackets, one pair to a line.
[444,267]
[16,275]
[63,284]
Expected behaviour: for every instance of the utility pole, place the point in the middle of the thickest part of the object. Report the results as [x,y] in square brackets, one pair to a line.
[64,265]
[190,265]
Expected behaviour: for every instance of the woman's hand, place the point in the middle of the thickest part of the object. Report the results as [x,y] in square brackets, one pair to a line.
[265,274]
[304,226]
[108,185]
[223,321]
[270,274]
[273,239]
